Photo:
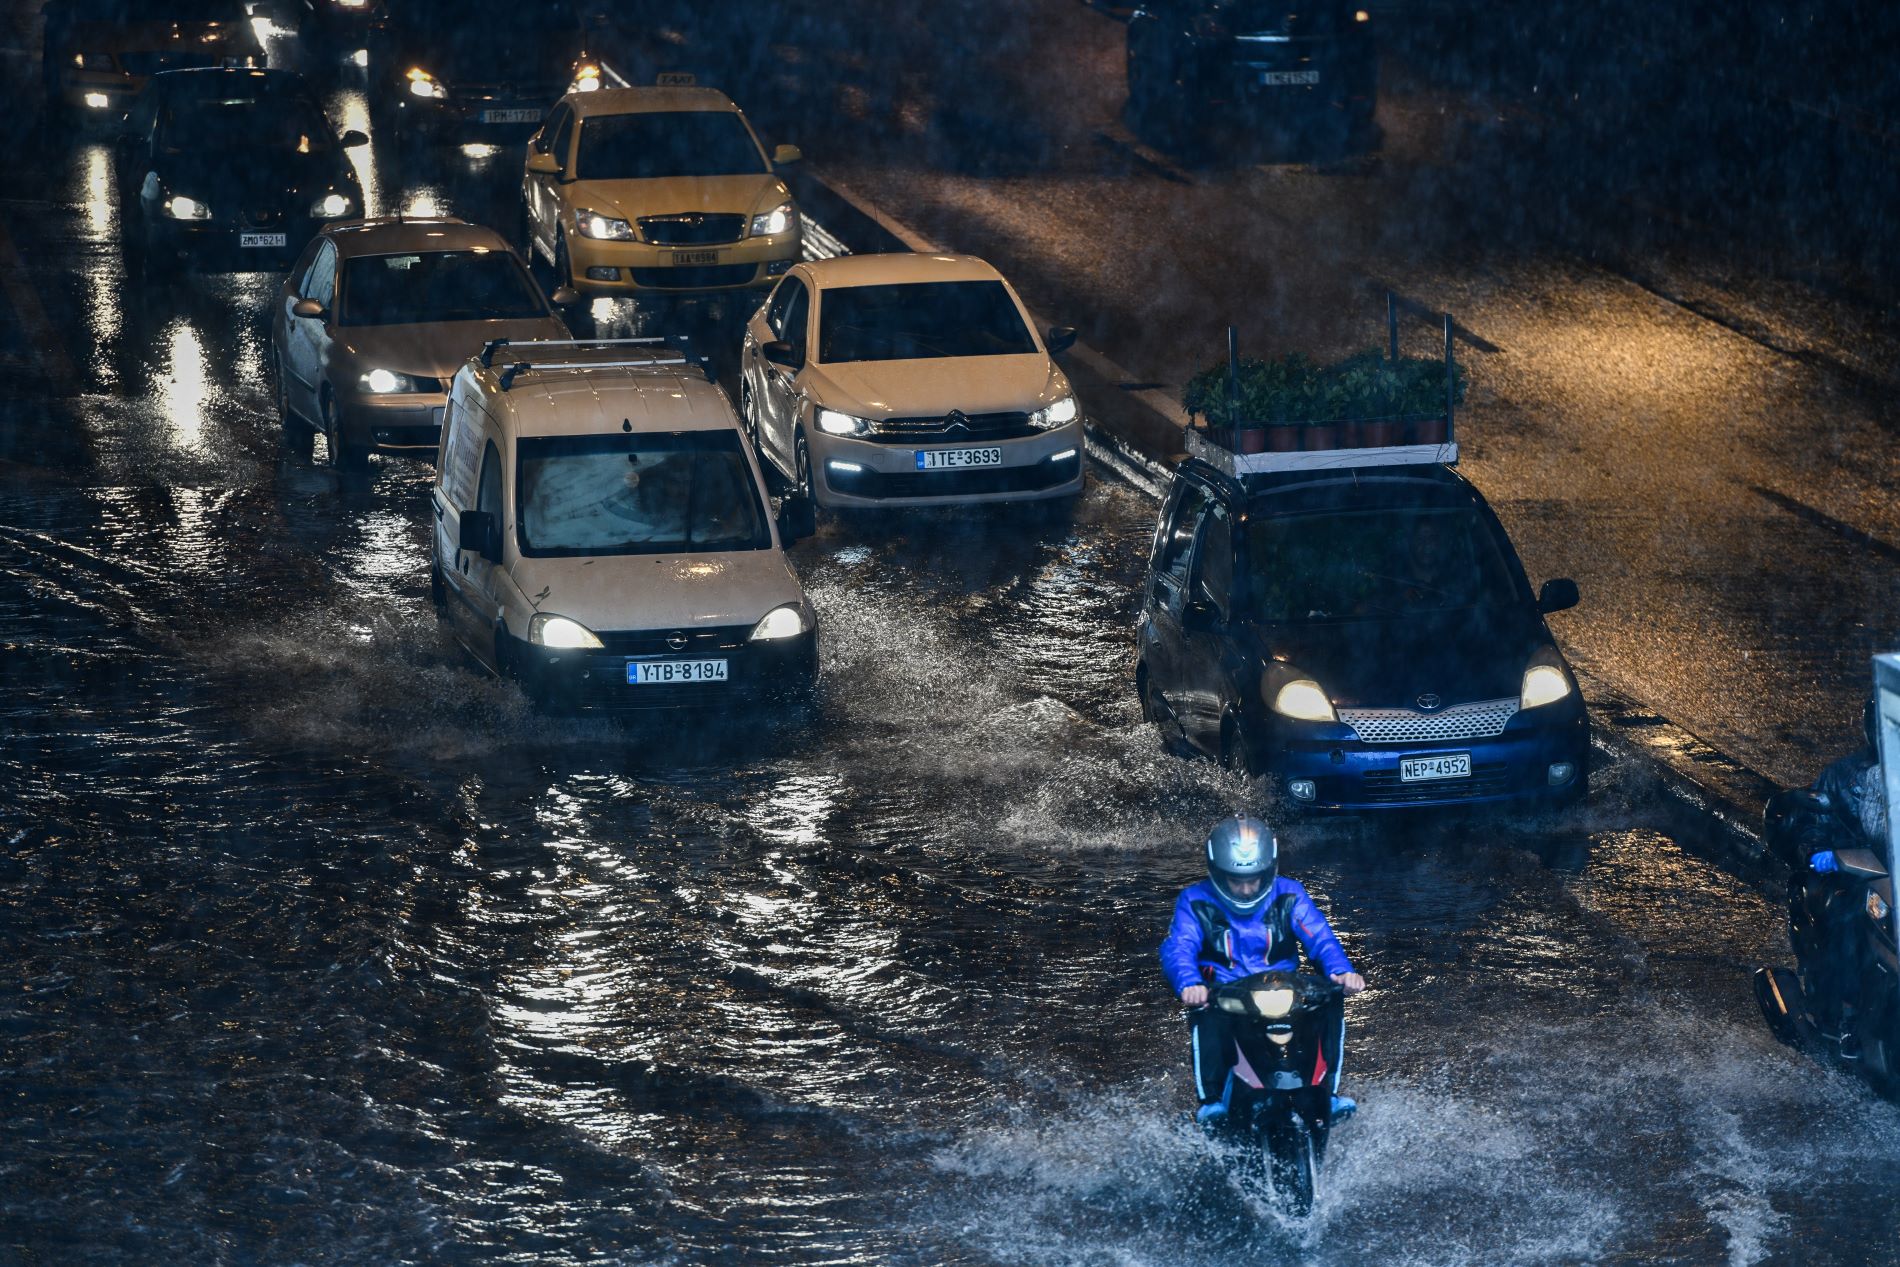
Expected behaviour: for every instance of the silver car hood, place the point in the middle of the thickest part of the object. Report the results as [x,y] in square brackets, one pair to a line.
[622,593]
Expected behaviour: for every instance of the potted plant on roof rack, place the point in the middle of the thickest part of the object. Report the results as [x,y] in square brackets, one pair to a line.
[1401,406]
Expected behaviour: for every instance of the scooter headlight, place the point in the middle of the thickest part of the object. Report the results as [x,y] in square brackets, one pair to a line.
[1273,1004]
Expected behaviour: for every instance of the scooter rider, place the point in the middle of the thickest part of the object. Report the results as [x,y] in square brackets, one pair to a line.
[1246,918]
[1856,798]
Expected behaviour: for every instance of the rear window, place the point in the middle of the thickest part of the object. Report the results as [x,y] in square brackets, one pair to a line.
[1377,564]
[685,492]
[918,320]
[430,286]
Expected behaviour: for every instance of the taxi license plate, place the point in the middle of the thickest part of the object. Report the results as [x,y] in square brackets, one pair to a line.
[246,240]
[695,257]
[1446,765]
[1278,77]
[954,459]
[517,115]
[674,672]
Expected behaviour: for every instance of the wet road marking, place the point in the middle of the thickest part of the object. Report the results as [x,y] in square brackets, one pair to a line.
[1828,523]
[17,285]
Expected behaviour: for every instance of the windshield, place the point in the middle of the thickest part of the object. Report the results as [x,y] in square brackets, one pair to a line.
[920,319]
[269,120]
[681,493]
[394,290]
[1374,564]
[667,143]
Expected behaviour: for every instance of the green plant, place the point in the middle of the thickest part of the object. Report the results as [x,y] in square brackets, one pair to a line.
[1297,389]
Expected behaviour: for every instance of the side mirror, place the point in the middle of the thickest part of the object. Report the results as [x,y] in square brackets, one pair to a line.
[308,308]
[1559,594]
[563,296]
[779,352]
[543,164]
[1200,616]
[782,155]
[797,518]
[481,534]
[1059,339]
[354,139]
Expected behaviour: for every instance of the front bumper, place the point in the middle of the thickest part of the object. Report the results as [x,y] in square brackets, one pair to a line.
[1263,76]
[408,424]
[218,247]
[1515,766]
[1047,464]
[782,671]
[624,268]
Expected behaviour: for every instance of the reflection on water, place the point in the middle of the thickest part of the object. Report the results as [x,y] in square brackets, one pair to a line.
[351,108]
[183,383]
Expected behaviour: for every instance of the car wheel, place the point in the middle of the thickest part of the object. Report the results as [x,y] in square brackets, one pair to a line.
[344,456]
[563,270]
[1150,112]
[438,591]
[802,464]
[294,433]
[1236,751]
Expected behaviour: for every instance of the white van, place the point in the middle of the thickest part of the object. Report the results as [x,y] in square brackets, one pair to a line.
[603,535]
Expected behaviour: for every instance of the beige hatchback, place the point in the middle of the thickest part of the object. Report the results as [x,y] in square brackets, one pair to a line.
[603,534]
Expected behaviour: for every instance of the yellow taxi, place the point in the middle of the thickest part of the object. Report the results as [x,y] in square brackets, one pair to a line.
[97,54]
[629,190]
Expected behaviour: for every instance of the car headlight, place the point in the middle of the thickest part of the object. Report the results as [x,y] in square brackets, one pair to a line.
[1059,414]
[93,61]
[591,224]
[586,79]
[352,4]
[388,382]
[179,207]
[1303,700]
[423,84]
[833,423]
[1877,907]
[331,206]
[1543,684]
[561,633]
[777,220]
[781,622]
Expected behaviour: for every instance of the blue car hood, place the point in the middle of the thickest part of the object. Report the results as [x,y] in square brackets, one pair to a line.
[1459,656]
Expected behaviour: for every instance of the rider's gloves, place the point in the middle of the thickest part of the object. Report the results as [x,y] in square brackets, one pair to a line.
[1825,862]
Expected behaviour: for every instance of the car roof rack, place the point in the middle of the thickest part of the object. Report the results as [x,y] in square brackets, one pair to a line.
[573,354]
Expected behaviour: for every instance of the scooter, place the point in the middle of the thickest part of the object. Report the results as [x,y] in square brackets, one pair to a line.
[1281,1114]
[1795,1001]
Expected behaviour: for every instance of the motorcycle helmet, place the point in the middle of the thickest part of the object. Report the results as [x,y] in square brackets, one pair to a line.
[1242,847]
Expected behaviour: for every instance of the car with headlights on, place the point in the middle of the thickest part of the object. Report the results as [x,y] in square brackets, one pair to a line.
[378,315]
[233,170]
[97,55]
[1364,637]
[891,380]
[602,534]
[630,190]
[441,71]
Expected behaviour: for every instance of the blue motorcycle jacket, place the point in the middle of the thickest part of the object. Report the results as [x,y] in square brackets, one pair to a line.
[1209,943]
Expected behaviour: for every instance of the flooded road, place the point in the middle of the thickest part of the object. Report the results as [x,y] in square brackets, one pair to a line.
[326,948]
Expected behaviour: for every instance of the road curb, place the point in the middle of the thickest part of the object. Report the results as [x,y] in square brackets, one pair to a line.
[1135,430]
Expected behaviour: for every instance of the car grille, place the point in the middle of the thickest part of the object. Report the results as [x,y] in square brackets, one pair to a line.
[152,63]
[956,425]
[1482,720]
[261,217]
[693,642]
[995,479]
[707,278]
[693,229]
[1383,787]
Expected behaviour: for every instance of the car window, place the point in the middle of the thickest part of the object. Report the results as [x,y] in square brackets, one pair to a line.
[550,128]
[660,143]
[489,497]
[916,320]
[1378,563]
[789,289]
[1178,538]
[405,289]
[458,456]
[562,135]
[320,282]
[1214,560]
[672,493]
[795,321]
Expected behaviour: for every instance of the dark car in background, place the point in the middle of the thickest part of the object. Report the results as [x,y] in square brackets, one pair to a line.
[233,170]
[97,55]
[441,71]
[1365,638]
[1196,66]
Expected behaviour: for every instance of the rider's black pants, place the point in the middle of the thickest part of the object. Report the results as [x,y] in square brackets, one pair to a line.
[1213,1034]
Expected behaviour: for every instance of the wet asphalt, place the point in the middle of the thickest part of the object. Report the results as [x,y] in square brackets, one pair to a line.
[325,948]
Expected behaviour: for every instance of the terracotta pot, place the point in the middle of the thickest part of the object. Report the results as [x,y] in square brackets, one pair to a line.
[1379,433]
[1319,435]
[1250,440]
[1282,439]
[1430,431]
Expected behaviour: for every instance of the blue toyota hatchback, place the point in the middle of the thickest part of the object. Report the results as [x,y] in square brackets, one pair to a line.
[1365,638]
